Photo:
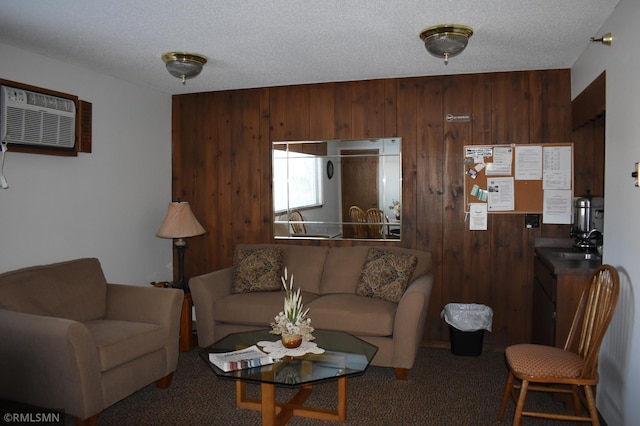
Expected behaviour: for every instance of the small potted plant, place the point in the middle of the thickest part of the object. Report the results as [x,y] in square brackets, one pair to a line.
[395,206]
[292,324]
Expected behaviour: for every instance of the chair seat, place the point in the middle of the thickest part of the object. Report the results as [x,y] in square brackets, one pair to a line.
[359,315]
[543,361]
[119,342]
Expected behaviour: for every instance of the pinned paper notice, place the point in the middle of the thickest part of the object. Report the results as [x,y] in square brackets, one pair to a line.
[477,217]
[501,194]
[480,194]
[478,151]
[502,160]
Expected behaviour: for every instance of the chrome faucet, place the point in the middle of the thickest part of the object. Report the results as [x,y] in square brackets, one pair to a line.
[590,234]
[584,241]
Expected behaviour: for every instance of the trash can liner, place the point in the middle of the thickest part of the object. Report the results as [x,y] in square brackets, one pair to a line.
[468,316]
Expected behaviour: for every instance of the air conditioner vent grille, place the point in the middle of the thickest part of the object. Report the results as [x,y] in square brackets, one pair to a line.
[51,102]
[31,118]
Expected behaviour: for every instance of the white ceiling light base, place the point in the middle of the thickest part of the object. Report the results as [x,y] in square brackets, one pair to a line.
[446,41]
[184,65]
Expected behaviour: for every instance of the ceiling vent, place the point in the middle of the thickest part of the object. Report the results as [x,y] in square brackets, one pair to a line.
[37,119]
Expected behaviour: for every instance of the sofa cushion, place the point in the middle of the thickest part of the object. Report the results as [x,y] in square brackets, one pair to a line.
[342,269]
[257,269]
[258,308]
[344,264]
[305,263]
[75,289]
[360,316]
[119,342]
[386,274]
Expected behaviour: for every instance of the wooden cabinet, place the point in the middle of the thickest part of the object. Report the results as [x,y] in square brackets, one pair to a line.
[555,300]
[543,323]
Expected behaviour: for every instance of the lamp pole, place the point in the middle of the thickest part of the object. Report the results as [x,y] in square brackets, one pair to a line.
[180,245]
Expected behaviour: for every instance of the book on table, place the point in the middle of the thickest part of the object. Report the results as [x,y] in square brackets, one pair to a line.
[238,360]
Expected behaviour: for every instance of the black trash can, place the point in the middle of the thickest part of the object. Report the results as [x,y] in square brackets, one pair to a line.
[466,343]
[467,323]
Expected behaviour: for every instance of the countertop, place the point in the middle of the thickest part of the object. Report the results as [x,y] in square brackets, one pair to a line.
[549,256]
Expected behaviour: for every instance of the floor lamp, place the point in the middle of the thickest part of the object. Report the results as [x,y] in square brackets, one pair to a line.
[180,223]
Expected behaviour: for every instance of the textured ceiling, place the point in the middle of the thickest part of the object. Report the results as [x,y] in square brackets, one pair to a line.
[258,43]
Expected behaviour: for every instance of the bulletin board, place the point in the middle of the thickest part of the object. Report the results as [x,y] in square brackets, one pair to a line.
[485,165]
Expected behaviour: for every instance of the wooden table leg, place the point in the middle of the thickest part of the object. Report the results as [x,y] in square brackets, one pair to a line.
[342,399]
[187,339]
[275,413]
[268,403]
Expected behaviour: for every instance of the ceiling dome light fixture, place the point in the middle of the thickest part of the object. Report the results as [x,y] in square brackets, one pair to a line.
[184,65]
[446,41]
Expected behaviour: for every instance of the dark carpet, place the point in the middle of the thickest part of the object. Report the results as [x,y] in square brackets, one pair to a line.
[443,389]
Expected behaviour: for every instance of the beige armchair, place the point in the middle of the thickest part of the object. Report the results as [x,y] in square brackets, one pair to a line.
[72,341]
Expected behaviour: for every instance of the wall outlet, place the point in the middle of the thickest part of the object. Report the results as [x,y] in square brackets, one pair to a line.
[532,221]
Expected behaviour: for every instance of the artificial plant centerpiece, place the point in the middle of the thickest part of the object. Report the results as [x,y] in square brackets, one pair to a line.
[292,324]
[395,206]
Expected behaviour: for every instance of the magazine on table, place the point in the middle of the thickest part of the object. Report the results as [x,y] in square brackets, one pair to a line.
[238,360]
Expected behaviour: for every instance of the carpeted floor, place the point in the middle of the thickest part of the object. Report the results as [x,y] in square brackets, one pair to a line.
[443,389]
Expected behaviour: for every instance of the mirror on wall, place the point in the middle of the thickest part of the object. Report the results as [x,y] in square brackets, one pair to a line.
[338,189]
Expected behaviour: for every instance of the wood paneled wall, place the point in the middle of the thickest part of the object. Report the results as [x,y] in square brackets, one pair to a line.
[588,112]
[222,161]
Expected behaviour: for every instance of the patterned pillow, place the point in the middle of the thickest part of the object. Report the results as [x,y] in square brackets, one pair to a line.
[257,269]
[385,275]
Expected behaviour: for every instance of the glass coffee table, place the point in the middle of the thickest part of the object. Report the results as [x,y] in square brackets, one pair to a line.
[345,356]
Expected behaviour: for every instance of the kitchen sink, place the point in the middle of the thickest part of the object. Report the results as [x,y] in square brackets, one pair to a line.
[578,256]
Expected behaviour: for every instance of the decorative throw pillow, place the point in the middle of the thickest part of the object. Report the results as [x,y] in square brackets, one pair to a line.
[257,269]
[385,275]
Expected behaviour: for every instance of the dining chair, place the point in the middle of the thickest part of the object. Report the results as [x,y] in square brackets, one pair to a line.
[358,221]
[376,223]
[297,222]
[572,369]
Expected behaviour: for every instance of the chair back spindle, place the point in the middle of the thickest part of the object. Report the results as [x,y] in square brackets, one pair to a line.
[358,221]
[297,222]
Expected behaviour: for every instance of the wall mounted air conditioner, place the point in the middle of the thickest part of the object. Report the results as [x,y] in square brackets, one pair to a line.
[37,119]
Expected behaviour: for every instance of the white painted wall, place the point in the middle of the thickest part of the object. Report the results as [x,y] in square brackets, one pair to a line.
[619,388]
[107,204]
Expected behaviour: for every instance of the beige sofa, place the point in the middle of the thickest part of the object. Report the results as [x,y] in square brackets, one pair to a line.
[71,341]
[328,278]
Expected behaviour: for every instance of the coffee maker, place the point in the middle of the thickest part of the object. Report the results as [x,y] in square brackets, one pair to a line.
[588,222]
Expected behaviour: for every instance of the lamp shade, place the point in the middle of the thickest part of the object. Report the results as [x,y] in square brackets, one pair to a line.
[180,222]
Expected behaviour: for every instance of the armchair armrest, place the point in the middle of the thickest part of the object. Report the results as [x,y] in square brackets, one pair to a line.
[152,305]
[409,322]
[49,362]
[205,290]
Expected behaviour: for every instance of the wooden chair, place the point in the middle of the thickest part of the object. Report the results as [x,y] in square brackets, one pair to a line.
[569,369]
[297,222]
[376,223]
[358,221]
